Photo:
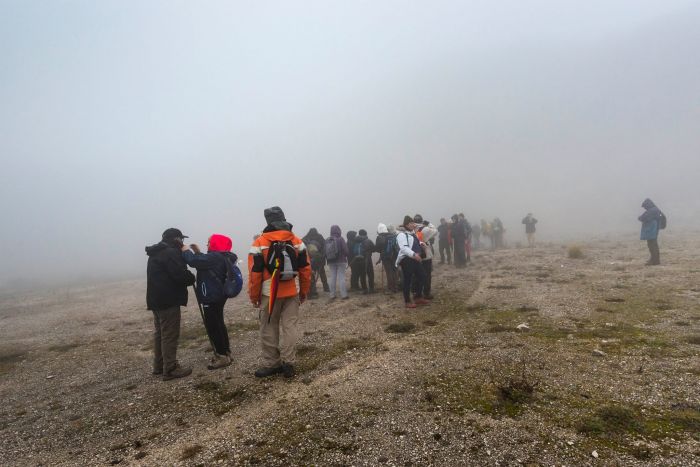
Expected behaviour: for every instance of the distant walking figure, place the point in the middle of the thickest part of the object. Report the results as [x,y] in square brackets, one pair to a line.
[652,221]
[530,229]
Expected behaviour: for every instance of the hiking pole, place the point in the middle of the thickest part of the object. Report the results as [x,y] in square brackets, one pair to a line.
[204,321]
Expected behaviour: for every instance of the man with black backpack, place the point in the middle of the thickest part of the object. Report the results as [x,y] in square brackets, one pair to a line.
[362,255]
[315,245]
[652,221]
[166,291]
[388,250]
[279,281]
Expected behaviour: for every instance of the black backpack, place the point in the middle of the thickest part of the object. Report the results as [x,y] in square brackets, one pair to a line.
[662,220]
[332,250]
[283,257]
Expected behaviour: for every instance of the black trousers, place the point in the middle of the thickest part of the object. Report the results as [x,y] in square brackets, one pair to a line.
[445,251]
[460,256]
[315,274]
[369,275]
[654,251]
[216,328]
[413,273]
[427,265]
[358,274]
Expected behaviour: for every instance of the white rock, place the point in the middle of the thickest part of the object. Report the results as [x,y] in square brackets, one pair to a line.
[598,353]
[595,454]
[50,377]
[522,327]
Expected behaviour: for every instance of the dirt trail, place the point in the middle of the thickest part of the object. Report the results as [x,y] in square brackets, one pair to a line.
[609,363]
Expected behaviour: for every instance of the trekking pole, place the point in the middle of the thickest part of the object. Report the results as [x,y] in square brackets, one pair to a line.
[204,321]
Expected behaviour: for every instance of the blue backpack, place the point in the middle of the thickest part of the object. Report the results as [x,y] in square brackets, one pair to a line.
[391,247]
[233,283]
[357,249]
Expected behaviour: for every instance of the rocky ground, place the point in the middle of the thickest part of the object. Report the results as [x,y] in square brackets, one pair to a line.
[526,357]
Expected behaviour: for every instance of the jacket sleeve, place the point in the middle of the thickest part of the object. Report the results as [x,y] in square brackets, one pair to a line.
[304,271]
[405,242]
[256,264]
[178,270]
[198,261]
[369,248]
[344,247]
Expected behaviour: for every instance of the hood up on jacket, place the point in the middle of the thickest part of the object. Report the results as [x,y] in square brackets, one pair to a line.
[381,228]
[275,219]
[218,242]
[648,204]
[335,231]
[155,249]
[351,235]
[313,235]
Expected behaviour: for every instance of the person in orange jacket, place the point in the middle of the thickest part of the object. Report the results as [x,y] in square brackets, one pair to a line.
[278,283]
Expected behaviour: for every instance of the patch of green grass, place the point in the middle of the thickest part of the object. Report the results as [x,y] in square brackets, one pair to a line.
[575,252]
[64,347]
[190,451]
[401,327]
[315,356]
[9,358]
[693,339]
[611,420]
[244,326]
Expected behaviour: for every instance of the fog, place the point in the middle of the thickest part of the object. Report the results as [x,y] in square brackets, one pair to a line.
[120,119]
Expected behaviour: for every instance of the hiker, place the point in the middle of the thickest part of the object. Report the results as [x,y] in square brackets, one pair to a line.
[315,245]
[410,258]
[212,270]
[277,260]
[487,230]
[530,229]
[397,270]
[444,240]
[387,248]
[166,291]
[426,232]
[467,236]
[652,221]
[458,241]
[498,232]
[355,267]
[476,236]
[337,256]
[362,254]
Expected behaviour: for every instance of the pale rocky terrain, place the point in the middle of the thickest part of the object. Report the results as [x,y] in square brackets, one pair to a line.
[605,372]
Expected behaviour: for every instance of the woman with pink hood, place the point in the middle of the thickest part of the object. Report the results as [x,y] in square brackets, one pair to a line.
[212,268]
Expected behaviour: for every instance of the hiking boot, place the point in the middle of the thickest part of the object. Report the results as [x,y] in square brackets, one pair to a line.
[157,371]
[219,361]
[265,372]
[429,297]
[177,372]
[421,301]
[288,370]
[410,305]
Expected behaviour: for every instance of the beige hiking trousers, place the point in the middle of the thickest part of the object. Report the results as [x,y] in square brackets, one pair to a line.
[279,332]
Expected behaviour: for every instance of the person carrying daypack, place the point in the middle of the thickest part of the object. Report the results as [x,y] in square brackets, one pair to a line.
[444,242]
[278,283]
[387,247]
[218,279]
[362,255]
[410,258]
[355,266]
[166,291]
[337,257]
[530,229]
[426,232]
[652,221]
[316,246]
[459,238]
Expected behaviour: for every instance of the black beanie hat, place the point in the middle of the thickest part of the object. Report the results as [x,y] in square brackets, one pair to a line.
[362,232]
[274,214]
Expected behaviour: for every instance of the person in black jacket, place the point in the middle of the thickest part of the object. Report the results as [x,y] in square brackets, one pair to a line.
[212,268]
[459,237]
[316,246]
[365,266]
[166,291]
[355,266]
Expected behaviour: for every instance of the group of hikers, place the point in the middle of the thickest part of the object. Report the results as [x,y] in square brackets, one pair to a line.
[283,271]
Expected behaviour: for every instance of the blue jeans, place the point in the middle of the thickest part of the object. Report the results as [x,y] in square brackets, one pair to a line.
[337,273]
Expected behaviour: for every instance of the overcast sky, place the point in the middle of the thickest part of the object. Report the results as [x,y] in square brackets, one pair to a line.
[119,119]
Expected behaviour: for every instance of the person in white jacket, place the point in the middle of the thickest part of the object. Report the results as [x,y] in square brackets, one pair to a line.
[426,233]
[410,257]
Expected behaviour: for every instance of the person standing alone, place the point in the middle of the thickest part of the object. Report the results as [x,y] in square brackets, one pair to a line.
[652,221]
[530,229]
